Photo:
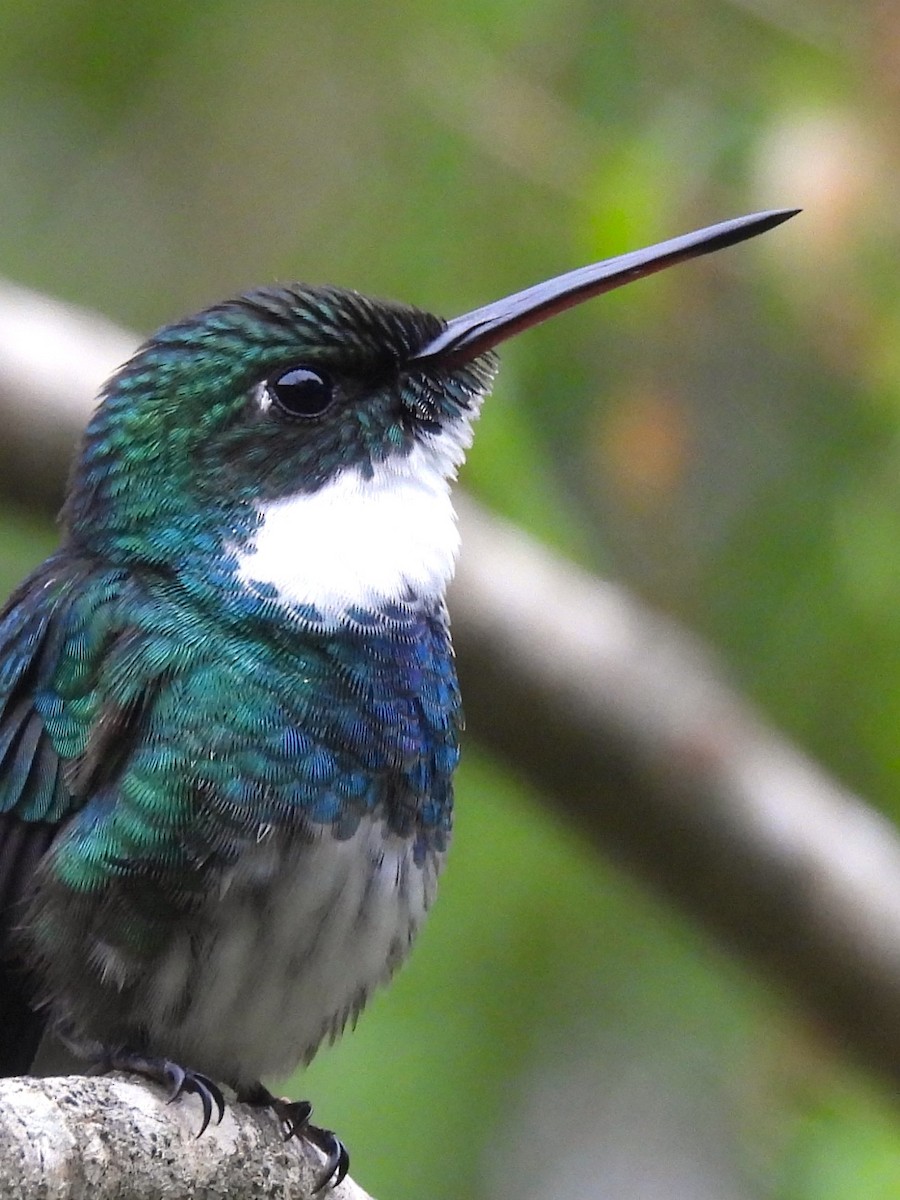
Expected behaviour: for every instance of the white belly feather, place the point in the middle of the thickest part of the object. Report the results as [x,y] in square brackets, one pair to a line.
[289,952]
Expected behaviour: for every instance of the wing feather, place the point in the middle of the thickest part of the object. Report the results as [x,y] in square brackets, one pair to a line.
[35,797]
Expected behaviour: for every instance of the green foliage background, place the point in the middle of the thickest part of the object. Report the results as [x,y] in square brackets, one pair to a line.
[726,438]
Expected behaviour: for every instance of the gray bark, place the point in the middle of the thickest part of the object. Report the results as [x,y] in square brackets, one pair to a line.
[109,1138]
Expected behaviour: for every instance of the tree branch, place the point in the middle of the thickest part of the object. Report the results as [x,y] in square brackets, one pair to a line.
[113,1139]
[618,716]
[623,720]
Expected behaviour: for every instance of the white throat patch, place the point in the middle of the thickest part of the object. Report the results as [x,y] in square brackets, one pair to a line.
[361,541]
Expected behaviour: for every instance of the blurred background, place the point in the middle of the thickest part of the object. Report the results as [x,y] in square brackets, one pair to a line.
[724,438]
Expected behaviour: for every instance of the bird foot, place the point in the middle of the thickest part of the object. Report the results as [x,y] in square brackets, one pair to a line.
[294,1115]
[179,1080]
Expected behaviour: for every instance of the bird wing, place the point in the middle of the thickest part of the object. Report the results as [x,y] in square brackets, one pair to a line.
[47,710]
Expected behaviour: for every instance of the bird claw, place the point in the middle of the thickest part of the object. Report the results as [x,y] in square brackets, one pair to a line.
[337,1160]
[179,1081]
[182,1083]
[294,1116]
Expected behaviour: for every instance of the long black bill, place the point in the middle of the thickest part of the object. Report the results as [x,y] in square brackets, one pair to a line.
[474,332]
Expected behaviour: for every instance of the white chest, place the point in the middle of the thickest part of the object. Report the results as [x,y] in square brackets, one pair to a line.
[358,541]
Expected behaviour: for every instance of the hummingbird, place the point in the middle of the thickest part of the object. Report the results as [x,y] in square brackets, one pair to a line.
[229,714]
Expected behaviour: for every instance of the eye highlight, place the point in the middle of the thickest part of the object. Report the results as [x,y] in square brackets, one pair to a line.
[300,392]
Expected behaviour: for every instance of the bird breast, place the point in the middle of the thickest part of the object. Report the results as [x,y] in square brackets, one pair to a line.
[288,951]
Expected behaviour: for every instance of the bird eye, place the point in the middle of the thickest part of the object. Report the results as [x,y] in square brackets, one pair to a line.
[301,392]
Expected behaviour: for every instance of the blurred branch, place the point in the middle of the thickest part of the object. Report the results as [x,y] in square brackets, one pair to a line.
[624,722]
[110,1138]
[53,357]
[619,717]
